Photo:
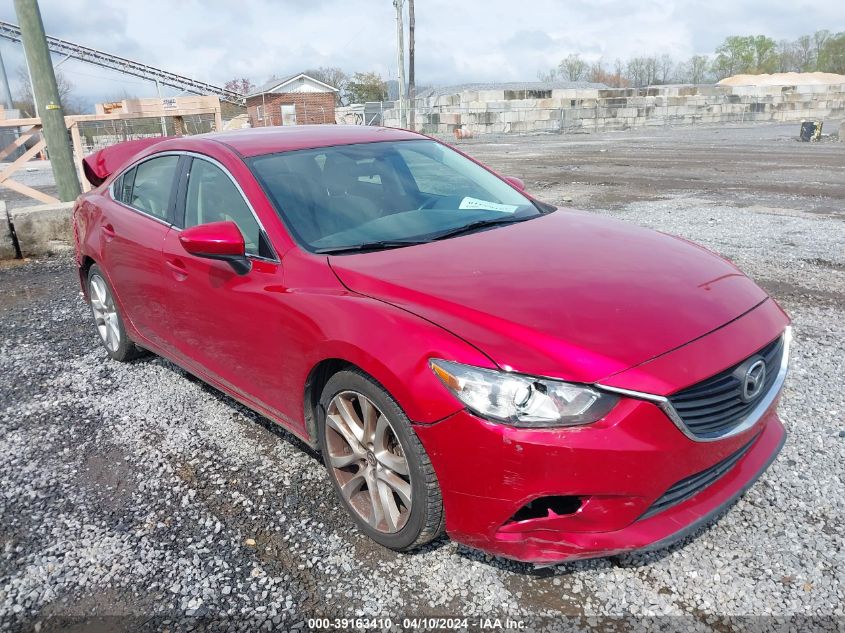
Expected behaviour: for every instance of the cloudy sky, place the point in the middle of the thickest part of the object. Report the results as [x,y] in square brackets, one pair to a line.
[481,40]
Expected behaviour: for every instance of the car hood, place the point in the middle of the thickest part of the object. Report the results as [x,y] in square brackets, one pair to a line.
[569,295]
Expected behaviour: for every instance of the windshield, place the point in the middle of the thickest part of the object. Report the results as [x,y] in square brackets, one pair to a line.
[385,194]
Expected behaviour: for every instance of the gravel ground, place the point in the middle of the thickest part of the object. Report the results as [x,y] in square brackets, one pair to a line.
[134,497]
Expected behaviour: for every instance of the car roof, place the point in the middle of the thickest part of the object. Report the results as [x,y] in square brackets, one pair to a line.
[269,140]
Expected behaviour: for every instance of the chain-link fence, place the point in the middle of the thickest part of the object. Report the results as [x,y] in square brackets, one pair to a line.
[96,135]
[600,110]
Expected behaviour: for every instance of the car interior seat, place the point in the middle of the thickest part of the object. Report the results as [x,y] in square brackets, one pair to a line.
[344,202]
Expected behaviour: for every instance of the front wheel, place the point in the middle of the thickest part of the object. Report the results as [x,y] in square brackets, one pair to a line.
[107,318]
[376,463]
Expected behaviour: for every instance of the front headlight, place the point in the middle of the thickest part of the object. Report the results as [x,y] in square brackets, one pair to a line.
[522,401]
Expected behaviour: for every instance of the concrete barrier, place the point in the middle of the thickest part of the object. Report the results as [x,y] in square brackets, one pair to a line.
[484,111]
[7,244]
[41,230]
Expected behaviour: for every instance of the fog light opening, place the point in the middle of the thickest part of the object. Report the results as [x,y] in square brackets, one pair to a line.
[547,508]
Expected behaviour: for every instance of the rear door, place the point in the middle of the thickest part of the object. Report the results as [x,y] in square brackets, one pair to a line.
[133,228]
[230,325]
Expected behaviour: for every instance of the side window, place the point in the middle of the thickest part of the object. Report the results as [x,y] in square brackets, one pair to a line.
[213,197]
[150,191]
[123,186]
[117,188]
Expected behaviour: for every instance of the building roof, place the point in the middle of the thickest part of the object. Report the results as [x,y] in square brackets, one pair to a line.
[511,85]
[278,82]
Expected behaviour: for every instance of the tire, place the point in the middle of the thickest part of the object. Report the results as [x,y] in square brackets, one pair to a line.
[391,444]
[107,318]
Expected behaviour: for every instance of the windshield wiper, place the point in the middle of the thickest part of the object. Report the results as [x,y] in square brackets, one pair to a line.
[382,245]
[368,246]
[479,224]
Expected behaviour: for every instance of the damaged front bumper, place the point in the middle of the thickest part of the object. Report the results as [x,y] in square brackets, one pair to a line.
[602,481]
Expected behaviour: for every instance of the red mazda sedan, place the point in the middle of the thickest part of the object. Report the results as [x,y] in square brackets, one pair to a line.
[541,383]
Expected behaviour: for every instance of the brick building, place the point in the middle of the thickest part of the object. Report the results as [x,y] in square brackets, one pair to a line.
[293,100]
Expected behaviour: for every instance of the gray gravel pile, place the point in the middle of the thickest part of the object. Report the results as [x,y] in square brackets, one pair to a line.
[136,490]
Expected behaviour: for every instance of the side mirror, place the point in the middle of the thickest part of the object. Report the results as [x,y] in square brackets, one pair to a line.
[516,182]
[217,240]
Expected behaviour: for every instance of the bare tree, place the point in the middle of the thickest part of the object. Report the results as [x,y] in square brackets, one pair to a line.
[786,57]
[573,68]
[805,54]
[820,38]
[635,71]
[619,75]
[696,70]
[241,85]
[601,75]
[548,75]
[650,64]
[665,68]
[26,104]
[596,73]
[332,76]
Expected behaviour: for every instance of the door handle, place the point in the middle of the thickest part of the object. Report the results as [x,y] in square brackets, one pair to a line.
[108,232]
[177,268]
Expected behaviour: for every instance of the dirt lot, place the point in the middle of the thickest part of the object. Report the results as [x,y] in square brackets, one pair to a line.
[133,496]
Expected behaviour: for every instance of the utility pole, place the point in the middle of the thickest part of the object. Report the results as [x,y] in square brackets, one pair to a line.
[400,45]
[5,93]
[46,94]
[412,88]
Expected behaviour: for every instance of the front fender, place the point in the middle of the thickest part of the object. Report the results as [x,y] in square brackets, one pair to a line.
[394,347]
[323,320]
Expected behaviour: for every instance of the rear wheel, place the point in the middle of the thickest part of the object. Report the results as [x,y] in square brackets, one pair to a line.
[377,464]
[107,319]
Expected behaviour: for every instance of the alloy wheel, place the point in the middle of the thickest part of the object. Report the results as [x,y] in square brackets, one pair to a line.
[368,462]
[105,313]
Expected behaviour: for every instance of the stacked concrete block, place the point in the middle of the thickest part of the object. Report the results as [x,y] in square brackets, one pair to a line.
[500,111]
[566,94]
[450,118]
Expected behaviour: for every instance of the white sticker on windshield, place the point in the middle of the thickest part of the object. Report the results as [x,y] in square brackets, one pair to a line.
[475,203]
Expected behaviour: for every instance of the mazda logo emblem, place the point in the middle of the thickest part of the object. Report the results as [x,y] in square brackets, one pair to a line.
[755,377]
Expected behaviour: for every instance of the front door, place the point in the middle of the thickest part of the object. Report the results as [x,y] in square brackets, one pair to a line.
[228,325]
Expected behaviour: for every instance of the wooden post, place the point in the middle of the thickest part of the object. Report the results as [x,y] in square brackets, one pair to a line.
[73,126]
[49,104]
[218,119]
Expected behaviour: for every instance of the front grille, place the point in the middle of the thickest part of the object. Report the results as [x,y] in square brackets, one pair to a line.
[692,485]
[713,407]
